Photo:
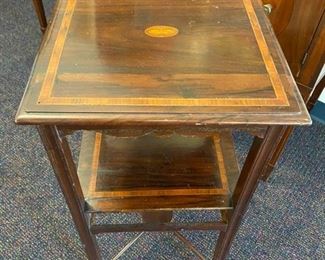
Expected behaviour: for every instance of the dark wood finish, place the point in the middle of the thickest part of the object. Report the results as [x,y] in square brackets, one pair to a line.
[295,23]
[136,79]
[60,157]
[160,173]
[283,9]
[154,227]
[39,9]
[276,153]
[288,131]
[103,66]
[300,28]
[156,216]
[246,186]
[315,59]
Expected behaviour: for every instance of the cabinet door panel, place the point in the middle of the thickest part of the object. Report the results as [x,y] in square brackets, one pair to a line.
[281,14]
[295,22]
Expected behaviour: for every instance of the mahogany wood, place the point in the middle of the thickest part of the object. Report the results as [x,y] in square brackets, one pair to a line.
[154,227]
[97,68]
[288,131]
[150,172]
[300,27]
[295,23]
[314,61]
[275,155]
[60,158]
[39,9]
[156,216]
[81,78]
[246,186]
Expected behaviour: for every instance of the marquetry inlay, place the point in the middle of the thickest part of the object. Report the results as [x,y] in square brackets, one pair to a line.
[93,193]
[46,96]
[161,31]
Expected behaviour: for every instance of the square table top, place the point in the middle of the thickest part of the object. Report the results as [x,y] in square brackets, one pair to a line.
[196,62]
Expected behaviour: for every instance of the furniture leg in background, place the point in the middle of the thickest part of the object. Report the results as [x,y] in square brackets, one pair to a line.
[39,9]
[288,131]
[300,30]
[246,186]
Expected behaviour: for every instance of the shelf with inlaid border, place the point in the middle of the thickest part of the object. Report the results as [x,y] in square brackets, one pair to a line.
[150,172]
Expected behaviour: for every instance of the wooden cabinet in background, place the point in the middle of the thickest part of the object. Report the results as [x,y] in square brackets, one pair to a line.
[299,27]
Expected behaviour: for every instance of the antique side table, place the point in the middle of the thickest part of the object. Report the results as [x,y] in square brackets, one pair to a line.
[157,87]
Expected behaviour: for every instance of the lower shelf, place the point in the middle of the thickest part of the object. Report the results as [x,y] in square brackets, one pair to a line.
[156,173]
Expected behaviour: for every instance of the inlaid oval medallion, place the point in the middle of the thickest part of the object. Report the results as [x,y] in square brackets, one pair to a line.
[161,31]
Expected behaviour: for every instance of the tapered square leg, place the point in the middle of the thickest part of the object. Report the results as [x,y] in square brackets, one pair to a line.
[247,183]
[61,159]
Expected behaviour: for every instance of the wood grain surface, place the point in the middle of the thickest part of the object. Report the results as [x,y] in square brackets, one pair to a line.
[141,169]
[96,60]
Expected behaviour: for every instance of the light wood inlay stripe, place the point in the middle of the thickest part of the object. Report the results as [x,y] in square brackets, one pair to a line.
[221,162]
[54,62]
[158,192]
[92,101]
[264,49]
[95,162]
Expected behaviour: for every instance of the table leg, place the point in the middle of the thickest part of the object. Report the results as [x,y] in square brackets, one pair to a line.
[275,155]
[288,131]
[247,183]
[39,8]
[60,156]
